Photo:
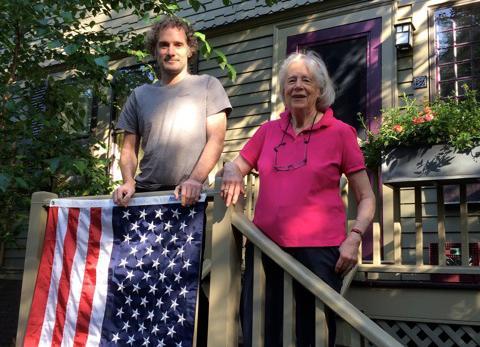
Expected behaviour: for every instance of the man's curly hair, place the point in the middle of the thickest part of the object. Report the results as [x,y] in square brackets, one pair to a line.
[151,38]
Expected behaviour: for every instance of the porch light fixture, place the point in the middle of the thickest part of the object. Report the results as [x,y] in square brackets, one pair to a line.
[404,35]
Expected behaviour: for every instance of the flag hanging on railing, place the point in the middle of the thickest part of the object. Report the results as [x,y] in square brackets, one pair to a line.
[115,276]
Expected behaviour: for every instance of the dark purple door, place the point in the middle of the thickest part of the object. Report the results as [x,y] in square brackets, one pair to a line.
[352,55]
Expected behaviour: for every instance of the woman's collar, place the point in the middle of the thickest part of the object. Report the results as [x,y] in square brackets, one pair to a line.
[324,122]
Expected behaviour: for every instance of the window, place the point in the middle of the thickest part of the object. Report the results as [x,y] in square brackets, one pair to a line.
[127,79]
[457,49]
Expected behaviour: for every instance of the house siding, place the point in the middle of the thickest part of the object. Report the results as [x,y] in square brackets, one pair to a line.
[250,52]
[251,49]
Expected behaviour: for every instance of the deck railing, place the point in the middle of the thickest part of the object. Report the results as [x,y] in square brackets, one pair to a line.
[391,245]
[223,263]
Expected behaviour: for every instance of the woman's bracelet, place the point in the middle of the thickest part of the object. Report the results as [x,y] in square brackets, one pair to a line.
[357,231]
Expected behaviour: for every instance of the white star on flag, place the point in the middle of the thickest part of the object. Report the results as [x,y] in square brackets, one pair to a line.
[123,262]
[167,226]
[115,338]
[183,292]
[135,226]
[143,238]
[127,239]
[192,213]
[131,340]
[164,317]
[143,214]
[130,275]
[187,264]
[158,213]
[171,331]
[176,214]
[181,319]
[126,214]
[146,276]
[151,226]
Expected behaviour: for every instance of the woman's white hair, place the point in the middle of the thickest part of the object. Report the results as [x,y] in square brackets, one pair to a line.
[317,68]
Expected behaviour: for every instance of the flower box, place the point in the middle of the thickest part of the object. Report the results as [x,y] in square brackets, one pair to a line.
[410,166]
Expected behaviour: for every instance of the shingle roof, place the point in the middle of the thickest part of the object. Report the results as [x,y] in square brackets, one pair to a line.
[215,13]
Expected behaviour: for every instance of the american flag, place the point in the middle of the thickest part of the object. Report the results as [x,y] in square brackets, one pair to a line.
[115,276]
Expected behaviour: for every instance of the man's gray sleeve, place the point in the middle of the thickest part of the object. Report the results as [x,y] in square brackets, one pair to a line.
[217,98]
[128,119]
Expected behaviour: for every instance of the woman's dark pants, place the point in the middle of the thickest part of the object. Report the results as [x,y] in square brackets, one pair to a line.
[321,261]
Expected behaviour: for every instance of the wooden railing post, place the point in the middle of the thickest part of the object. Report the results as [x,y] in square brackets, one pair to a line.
[36,234]
[224,277]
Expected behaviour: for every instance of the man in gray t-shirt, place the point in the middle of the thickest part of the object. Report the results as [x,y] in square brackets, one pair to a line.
[180,121]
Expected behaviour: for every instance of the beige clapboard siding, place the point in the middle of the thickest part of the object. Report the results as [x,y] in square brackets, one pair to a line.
[250,53]
[247,121]
[14,255]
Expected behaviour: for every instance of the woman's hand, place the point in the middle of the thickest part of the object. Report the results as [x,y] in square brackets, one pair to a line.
[232,179]
[232,183]
[348,254]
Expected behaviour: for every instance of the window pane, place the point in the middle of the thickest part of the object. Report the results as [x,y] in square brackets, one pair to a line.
[442,20]
[463,53]
[476,67]
[475,32]
[462,17]
[462,36]
[476,50]
[447,89]
[464,70]
[445,55]
[445,39]
[447,72]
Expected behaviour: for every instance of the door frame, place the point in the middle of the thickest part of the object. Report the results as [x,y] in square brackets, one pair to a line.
[371,29]
[376,18]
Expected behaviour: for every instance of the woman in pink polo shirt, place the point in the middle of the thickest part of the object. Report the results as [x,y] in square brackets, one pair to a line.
[300,159]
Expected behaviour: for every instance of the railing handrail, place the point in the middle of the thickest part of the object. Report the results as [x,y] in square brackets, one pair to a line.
[208,192]
[316,286]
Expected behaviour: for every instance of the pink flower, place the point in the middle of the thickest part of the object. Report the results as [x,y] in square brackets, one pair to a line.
[397,128]
[418,120]
[428,117]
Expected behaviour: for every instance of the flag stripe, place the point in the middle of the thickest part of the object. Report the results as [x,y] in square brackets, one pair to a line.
[89,280]
[70,245]
[39,302]
[102,273]
[49,318]
[76,277]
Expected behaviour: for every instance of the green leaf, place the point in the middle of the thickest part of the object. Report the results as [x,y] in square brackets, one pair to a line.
[10,105]
[54,44]
[138,54]
[71,48]
[221,59]
[67,16]
[4,182]
[21,183]
[146,18]
[173,7]
[232,73]
[102,61]
[195,4]
[54,164]
[80,165]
